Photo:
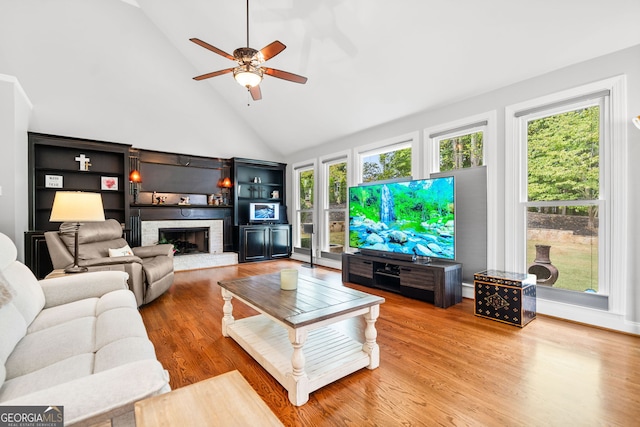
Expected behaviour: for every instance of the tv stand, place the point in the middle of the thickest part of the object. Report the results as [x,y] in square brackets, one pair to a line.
[439,282]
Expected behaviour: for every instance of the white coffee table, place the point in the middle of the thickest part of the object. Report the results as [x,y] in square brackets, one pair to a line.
[293,338]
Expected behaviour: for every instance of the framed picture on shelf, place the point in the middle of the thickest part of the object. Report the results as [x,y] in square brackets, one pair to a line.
[109,183]
[53,181]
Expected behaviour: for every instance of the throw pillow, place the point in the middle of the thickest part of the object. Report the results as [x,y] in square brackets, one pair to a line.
[6,291]
[123,251]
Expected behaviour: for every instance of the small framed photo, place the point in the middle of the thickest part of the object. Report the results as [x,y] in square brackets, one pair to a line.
[53,181]
[109,183]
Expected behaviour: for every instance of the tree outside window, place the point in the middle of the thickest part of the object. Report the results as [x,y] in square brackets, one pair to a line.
[335,211]
[563,188]
[389,165]
[464,151]
[306,204]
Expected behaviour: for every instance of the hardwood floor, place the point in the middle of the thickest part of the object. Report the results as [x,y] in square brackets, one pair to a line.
[437,366]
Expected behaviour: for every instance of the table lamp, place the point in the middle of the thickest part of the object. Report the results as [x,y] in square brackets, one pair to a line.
[76,206]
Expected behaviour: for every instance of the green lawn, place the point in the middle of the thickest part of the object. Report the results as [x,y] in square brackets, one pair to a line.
[577,263]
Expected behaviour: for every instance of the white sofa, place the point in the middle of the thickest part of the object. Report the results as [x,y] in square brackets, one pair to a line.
[76,341]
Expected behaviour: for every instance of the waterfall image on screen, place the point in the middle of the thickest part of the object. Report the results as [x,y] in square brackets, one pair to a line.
[411,217]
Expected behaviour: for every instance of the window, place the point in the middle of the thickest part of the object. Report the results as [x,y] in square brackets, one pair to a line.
[563,195]
[304,194]
[464,151]
[387,162]
[335,206]
[458,148]
[565,192]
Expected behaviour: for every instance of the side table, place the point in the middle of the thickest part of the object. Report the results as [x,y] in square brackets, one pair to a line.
[505,296]
[57,273]
[224,400]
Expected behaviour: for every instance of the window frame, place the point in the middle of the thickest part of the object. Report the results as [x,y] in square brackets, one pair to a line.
[326,162]
[613,187]
[410,140]
[438,137]
[490,160]
[297,210]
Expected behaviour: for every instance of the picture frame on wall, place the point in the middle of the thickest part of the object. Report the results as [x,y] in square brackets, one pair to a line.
[109,183]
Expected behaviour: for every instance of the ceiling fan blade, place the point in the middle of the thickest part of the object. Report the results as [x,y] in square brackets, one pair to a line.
[272,50]
[213,74]
[285,75]
[256,93]
[212,48]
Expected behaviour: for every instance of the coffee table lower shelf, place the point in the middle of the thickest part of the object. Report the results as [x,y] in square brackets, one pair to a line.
[328,354]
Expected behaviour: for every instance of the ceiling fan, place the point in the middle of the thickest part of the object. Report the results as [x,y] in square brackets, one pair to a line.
[250,71]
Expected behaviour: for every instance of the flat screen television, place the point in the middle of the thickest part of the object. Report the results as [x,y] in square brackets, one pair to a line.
[264,212]
[404,219]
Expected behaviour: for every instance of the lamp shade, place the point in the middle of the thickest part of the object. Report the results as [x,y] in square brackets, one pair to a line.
[77,206]
[226,183]
[134,176]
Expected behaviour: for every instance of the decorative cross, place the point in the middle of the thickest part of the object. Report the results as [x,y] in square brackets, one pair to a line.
[84,162]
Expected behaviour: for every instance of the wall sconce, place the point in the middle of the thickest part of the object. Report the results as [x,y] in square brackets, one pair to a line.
[636,121]
[225,184]
[135,179]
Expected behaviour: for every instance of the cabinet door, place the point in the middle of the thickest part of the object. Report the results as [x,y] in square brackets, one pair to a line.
[361,267]
[280,242]
[419,278]
[37,254]
[255,243]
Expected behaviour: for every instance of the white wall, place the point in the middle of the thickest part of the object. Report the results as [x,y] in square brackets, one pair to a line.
[14,117]
[623,62]
[103,71]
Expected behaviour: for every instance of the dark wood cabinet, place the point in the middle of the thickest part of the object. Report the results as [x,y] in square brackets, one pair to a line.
[36,254]
[53,166]
[439,282]
[170,179]
[264,242]
[257,181]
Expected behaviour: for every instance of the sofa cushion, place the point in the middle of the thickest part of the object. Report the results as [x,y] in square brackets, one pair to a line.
[156,268]
[63,371]
[29,298]
[63,313]
[9,315]
[94,238]
[123,351]
[116,324]
[6,291]
[89,251]
[116,299]
[47,346]
[90,232]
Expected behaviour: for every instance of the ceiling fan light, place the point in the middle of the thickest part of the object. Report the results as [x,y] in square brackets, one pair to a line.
[247,76]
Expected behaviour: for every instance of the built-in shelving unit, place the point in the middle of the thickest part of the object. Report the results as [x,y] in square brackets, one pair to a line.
[259,181]
[174,177]
[53,167]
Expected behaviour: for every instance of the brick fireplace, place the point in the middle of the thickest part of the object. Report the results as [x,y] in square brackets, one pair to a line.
[213,256]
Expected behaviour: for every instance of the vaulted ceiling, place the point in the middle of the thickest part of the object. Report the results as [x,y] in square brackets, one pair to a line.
[368,62]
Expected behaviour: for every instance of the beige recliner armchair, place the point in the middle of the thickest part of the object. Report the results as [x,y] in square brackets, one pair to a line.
[150,268]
